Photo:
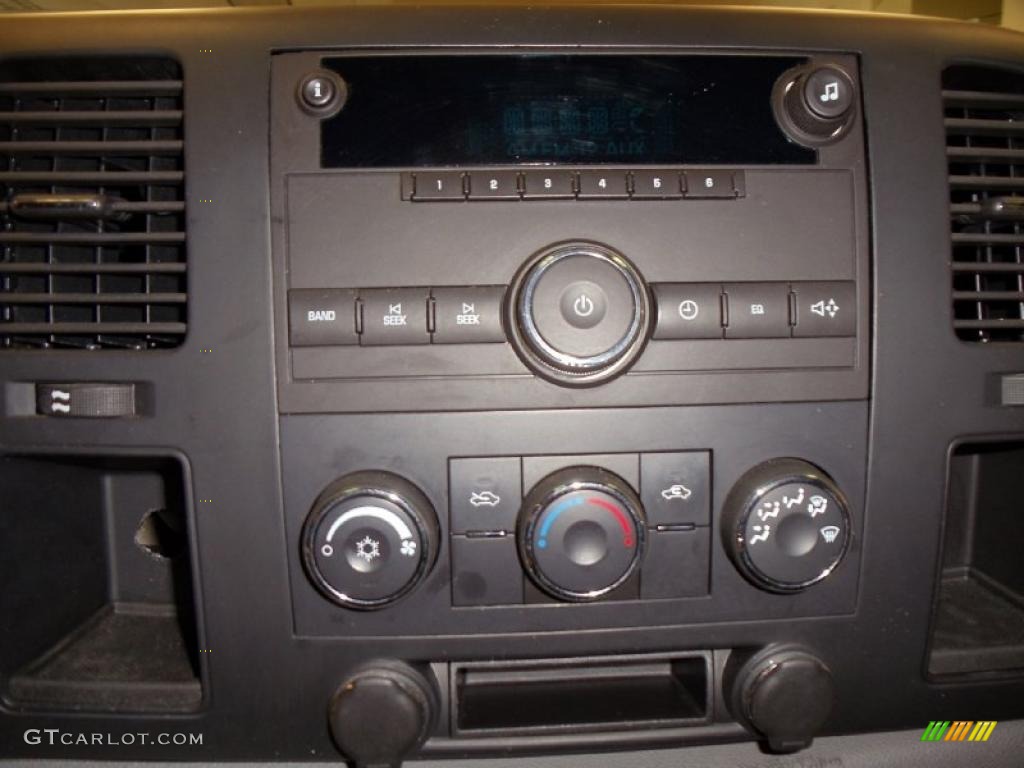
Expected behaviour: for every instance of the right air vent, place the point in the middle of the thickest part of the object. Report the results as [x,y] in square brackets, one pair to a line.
[984,118]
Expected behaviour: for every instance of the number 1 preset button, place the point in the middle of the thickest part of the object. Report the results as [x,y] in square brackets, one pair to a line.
[443,185]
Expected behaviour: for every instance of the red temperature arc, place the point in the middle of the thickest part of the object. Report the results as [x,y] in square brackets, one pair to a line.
[627,529]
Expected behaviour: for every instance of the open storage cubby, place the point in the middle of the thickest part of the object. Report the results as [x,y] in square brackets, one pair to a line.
[979,621]
[580,695]
[96,585]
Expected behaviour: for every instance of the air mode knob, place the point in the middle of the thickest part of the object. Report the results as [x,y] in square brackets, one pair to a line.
[786,525]
[578,313]
[580,533]
[370,538]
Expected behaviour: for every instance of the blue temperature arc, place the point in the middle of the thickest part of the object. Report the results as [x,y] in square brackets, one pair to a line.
[553,513]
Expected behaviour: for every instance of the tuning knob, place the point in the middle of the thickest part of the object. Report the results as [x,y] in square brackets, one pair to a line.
[783,694]
[382,713]
[786,525]
[580,533]
[370,538]
[815,105]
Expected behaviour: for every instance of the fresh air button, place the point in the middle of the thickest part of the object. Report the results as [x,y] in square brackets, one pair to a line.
[541,185]
[710,184]
[688,311]
[322,317]
[675,487]
[602,184]
[443,185]
[657,185]
[825,309]
[394,316]
[497,185]
[484,494]
[757,310]
[467,315]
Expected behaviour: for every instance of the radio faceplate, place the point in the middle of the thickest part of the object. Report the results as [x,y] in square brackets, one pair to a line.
[370,261]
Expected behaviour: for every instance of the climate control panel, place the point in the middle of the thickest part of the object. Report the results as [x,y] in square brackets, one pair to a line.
[538,530]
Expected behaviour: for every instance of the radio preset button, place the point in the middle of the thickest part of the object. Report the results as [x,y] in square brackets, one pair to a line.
[394,316]
[757,310]
[322,317]
[497,185]
[603,184]
[443,185]
[825,309]
[470,314]
[540,185]
[657,185]
[710,184]
[688,311]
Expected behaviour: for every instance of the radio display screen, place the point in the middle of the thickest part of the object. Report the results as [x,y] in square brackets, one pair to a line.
[540,109]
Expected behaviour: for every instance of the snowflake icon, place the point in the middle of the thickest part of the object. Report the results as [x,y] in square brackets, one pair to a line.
[368,549]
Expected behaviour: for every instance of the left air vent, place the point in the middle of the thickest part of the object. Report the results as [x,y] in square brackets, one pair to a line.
[92,211]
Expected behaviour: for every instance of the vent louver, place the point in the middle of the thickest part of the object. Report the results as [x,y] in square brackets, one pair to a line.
[984,119]
[92,211]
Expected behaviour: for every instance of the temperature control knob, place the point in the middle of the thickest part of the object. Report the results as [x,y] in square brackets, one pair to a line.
[369,539]
[580,532]
[786,525]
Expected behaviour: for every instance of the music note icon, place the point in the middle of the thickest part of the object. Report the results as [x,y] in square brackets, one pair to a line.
[831,92]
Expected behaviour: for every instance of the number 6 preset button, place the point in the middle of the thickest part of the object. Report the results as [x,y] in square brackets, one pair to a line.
[710,184]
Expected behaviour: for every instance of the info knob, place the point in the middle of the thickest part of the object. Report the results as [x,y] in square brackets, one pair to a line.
[369,539]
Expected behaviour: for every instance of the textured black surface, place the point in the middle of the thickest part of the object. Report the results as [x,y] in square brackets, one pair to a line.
[125,658]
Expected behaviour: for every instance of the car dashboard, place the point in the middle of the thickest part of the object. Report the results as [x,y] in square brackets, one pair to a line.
[397,383]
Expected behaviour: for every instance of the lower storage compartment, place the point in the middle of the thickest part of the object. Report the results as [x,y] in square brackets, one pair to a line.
[577,696]
[97,584]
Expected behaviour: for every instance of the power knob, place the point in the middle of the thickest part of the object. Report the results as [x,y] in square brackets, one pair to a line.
[578,313]
[815,105]
[369,539]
